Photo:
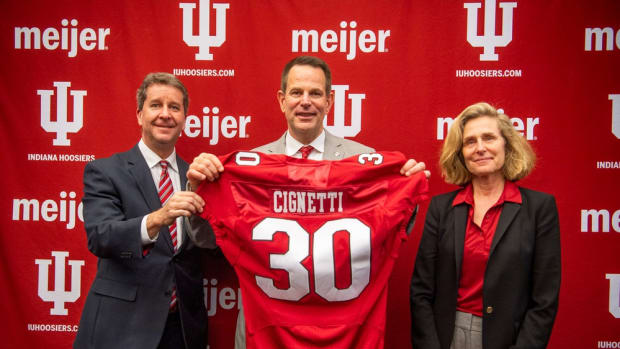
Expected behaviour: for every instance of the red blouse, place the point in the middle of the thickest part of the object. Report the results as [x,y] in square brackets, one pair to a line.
[477,246]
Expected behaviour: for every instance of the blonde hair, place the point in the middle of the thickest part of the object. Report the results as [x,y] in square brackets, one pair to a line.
[519,159]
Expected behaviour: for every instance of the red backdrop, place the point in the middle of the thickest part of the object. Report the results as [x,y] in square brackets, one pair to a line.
[70,71]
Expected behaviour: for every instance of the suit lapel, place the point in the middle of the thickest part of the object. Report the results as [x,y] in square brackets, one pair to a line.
[144,180]
[460,225]
[333,147]
[278,147]
[509,212]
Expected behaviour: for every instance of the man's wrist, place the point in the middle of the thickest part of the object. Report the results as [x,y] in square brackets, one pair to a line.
[149,230]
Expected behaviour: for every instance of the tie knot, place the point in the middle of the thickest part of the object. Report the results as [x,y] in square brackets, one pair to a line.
[305,151]
[164,165]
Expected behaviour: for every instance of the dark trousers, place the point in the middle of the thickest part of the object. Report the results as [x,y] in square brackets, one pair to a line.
[173,333]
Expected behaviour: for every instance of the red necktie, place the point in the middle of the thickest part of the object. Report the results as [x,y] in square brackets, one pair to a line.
[165,191]
[305,151]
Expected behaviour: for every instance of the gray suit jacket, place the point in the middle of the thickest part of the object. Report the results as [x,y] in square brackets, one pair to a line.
[336,148]
[127,305]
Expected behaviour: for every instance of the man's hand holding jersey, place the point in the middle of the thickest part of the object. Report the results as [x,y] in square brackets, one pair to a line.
[181,203]
[204,167]
[411,166]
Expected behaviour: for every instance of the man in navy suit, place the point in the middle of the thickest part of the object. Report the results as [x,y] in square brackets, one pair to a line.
[148,290]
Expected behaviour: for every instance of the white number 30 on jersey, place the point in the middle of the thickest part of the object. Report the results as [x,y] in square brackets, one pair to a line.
[322,256]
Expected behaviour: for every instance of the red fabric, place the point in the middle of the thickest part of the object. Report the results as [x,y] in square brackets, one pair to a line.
[478,241]
[312,279]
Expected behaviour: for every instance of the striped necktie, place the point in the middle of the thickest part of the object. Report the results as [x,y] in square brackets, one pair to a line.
[165,191]
[305,151]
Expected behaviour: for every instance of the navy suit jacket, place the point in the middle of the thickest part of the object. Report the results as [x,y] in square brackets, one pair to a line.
[521,280]
[128,302]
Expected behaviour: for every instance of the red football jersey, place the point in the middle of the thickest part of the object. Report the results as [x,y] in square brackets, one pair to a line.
[313,243]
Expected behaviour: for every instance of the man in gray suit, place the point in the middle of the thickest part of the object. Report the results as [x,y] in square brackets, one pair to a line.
[148,291]
[305,97]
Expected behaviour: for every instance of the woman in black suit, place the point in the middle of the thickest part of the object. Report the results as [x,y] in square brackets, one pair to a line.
[487,273]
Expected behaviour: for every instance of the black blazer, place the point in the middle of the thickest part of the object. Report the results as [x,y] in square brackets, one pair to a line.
[521,281]
[127,305]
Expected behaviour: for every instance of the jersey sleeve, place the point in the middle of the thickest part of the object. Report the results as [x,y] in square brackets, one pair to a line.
[405,193]
[401,193]
[221,210]
[408,193]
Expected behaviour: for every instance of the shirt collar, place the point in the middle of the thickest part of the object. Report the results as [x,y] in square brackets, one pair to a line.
[293,145]
[153,159]
[511,193]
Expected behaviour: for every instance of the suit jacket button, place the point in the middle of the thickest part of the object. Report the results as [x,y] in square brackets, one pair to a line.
[489,310]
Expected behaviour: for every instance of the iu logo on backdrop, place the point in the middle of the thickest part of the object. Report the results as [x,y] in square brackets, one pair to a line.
[61,126]
[614,294]
[339,128]
[204,40]
[615,114]
[489,40]
[59,296]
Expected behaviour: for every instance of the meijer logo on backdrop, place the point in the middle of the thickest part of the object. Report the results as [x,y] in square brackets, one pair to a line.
[59,296]
[525,126]
[61,126]
[67,38]
[211,126]
[346,41]
[226,298]
[65,209]
[489,41]
[592,220]
[339,128]
[599,35]
[204,40]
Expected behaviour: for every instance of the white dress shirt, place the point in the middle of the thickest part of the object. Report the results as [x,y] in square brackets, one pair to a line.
[318,145]
[152,161]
